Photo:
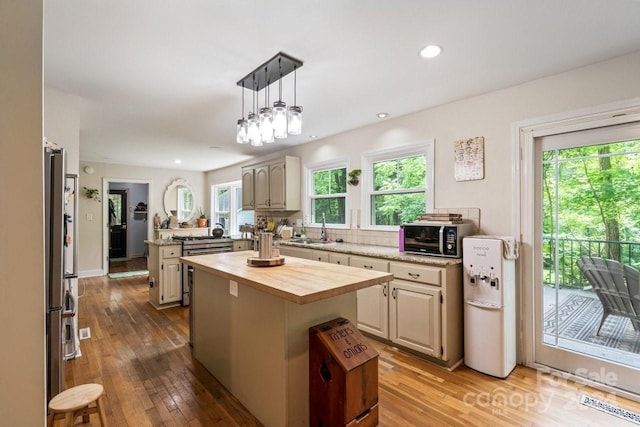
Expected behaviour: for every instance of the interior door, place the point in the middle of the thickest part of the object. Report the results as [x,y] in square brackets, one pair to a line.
[117,224]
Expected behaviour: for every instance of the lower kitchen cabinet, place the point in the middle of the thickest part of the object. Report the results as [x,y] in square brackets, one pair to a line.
[420,310]
[242,245]
[373,302]
[414,317]
[295,252]
[165,275]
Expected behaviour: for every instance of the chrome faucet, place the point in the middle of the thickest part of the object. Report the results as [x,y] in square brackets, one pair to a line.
[323,230]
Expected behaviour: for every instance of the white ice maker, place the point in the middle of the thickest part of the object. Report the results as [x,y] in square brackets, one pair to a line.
[489,307]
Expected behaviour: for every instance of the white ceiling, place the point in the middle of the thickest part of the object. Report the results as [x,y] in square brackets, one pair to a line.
[157,79]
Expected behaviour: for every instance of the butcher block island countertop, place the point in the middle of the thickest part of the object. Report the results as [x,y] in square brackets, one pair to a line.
[298,280]
[251,325]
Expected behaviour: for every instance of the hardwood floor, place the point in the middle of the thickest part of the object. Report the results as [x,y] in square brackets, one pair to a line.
[143,359]
[119,266]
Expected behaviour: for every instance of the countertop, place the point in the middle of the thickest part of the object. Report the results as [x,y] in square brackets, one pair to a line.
[299,280]
[384,252]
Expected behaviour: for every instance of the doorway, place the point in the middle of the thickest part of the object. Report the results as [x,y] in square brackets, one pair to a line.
[117,225]
[579,185]
[127,226]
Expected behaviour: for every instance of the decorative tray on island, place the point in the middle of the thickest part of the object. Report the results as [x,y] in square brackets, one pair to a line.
[265,262]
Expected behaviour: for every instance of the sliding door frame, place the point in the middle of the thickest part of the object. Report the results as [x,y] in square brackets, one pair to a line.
[523,220]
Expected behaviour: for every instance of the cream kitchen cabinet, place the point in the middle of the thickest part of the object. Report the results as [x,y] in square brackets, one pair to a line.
[425,310]
[165,275]
[373,302]
[420,310]
[295,252]
[242,245]
[340,259]
[276,184]
[248,202]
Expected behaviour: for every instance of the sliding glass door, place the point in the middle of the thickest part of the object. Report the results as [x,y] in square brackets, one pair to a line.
[586,246]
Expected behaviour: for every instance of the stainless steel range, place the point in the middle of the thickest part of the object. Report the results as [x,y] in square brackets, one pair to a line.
[198,245]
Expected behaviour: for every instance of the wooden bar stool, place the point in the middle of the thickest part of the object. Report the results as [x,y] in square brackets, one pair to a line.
[74,402]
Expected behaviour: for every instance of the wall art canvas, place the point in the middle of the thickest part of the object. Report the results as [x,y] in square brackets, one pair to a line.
[469,159]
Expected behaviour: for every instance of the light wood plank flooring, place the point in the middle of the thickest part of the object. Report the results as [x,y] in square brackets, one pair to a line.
[143,359]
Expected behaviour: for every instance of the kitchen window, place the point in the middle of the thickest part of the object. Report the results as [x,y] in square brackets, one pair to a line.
[397,185]
[327,191]
[227,207]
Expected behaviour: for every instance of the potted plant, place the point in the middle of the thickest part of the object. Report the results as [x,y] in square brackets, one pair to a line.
[354,177]
[92,193]
[202,221]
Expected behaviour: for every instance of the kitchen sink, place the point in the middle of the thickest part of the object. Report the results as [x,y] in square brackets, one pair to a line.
[309,241]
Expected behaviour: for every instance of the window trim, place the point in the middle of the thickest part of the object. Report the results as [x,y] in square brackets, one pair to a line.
[309,169]
[425,148]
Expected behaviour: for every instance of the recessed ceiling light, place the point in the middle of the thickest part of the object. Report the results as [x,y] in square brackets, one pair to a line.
[177,161]
[382,115]
[313,136]
[431,51]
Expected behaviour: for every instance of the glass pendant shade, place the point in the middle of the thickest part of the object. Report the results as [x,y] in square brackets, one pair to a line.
[280,119]
[254,130]
[241,132]
[295,120]
[266,125]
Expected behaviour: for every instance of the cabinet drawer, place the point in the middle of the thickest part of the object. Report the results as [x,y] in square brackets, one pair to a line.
[369,263]
[321,256]
[341,259]
[416,273]
[170,251]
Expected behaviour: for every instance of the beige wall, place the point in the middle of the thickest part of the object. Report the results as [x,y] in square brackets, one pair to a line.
[91,243]
[22,336]
[490,115]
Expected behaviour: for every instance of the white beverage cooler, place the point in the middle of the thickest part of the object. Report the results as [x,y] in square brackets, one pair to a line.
[489,305]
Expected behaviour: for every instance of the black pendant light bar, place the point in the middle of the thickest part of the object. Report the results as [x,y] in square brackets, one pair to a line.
[269,72]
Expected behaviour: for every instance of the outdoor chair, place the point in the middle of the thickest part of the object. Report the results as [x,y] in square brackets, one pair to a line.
[616,285]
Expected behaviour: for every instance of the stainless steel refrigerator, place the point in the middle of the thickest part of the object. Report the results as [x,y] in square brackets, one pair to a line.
[60,263]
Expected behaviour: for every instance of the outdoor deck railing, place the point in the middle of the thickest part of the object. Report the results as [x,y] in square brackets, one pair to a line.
[570,250]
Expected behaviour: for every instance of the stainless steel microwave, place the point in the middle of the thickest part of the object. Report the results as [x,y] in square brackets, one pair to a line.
[435,238]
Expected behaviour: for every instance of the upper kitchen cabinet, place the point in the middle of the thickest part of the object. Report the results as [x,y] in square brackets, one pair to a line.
[276,185]
[248,203]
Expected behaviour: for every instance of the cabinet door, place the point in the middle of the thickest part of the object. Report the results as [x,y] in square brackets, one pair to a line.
[261,187]
[277,186]
[415,317]
[171,289]
[373,311]
[247,189]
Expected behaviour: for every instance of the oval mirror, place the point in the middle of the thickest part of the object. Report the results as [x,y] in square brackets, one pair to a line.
[179,198]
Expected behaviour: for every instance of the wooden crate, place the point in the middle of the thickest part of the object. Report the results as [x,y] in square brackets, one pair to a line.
[343,376]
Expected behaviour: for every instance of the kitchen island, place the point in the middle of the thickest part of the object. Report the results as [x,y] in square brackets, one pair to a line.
[256,341]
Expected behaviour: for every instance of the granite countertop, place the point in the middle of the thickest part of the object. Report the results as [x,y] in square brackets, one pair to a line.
[384,252]
[298,280]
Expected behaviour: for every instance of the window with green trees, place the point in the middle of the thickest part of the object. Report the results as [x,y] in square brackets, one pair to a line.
[398,194]
[329,195]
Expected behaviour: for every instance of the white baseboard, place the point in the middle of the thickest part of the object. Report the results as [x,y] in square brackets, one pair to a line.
[91,273]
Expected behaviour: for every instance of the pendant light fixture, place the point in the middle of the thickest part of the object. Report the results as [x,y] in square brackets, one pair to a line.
[266,119]
[294,116]
[276,122]
[242,136]
[254,124]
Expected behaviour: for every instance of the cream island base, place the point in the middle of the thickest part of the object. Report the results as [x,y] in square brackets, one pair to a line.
[256,343]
